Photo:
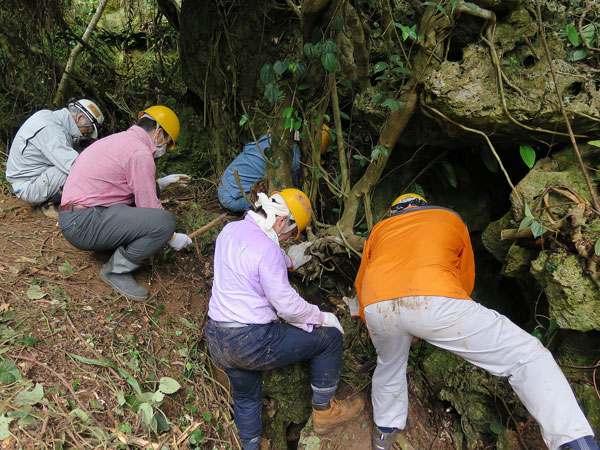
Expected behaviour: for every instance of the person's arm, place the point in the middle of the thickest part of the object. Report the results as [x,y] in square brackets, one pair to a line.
[141,170]
[290,306]
[466,264]
[54,146]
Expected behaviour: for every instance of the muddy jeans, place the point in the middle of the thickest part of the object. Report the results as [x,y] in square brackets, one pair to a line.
[245,352]
[484,338]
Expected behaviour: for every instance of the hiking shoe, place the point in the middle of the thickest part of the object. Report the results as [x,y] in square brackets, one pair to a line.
[583,443]
[49,210]
[339,412]
[124,283]
[381,440]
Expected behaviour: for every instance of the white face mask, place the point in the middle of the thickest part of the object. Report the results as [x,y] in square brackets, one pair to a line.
[159,150]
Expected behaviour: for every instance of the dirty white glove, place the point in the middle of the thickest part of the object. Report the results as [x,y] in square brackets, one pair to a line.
[180,179]
[297,256]
[180,241]
[331,321]
[352,303]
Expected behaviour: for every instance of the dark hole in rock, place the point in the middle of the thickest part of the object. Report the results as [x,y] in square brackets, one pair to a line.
[529,61]
[574,88]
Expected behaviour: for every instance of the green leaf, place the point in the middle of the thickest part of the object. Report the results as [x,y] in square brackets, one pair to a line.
[379,150]
[329,46]
[329,61]
[29,340]
[272,92]
[66,269]
[157,397]
[573,35]
[27,397]
[528,155]
[4,431]
[9,373]
[168,385]
[309,50]
[380,67]
[81,415]
[392,104]
[528,211]
[121,398]
[300,71]
[472,6]
[537,229]
[35,292]
[147,413]
[448,170]
[346,83]
[438,6]
[344,116]
[489,160]
[525,223]
[196,437]
[597,248]
[132,381]
[538,334]
[287,112]
[338,23]
[95,362]
[267,74]
[497,428]
[279,67]
[243,120]
[578,55]
[552,326]
[207,415]
[594,143]
[589,33]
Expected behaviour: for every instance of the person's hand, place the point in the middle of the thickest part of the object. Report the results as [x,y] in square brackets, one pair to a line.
[331,321]
[180,241]
[352,303]
[297,256]
[180,179]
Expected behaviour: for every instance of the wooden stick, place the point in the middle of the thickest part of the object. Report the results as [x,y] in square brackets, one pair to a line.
[208,226]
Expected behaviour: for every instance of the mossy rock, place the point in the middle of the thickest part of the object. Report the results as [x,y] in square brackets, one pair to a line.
[287,398]
[518,261]
[491,237]
[573,298]
[590,403]
[478,397]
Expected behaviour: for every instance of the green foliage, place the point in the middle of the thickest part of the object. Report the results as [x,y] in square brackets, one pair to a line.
[528,155]
[9,373]
[537,228]
[578,50]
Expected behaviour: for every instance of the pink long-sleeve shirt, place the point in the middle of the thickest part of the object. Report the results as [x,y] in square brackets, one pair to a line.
[118,169]
[251,280]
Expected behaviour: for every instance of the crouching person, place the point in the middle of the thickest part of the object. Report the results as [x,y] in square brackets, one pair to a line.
[250,294]
[107,179]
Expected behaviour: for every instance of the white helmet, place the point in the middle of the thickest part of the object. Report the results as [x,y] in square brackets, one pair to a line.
[92,112]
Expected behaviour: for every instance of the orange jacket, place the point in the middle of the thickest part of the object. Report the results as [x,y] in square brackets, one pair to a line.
[420,251]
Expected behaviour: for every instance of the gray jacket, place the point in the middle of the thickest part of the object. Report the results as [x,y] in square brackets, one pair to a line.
[44,141]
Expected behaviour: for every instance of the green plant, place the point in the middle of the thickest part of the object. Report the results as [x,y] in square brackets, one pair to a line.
[579,51]
[537,229]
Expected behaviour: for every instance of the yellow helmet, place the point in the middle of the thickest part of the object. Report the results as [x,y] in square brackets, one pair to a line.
[167,120]
[299,206]
[406,201]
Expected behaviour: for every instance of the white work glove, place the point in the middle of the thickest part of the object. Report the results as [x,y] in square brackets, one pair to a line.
[297,256]
[331,321]
[180,241]
[180,179]
[352,303]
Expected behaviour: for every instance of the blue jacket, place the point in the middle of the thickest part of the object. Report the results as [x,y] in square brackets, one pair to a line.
[251,167]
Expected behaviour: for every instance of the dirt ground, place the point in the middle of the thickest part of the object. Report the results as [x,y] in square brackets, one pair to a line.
[98,356]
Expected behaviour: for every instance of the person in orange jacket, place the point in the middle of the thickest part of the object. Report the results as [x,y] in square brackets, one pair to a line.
[415,279]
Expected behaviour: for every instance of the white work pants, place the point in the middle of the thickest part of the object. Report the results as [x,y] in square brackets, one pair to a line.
[39,189]
[482,337]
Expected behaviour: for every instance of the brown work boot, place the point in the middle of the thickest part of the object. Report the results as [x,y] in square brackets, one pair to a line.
[340,411]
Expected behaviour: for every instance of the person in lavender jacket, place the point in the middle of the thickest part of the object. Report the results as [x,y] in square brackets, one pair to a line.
[257,320]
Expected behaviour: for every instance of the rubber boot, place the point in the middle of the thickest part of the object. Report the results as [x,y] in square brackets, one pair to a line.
[381,440]
[583,443]
[117,273]
[339,412]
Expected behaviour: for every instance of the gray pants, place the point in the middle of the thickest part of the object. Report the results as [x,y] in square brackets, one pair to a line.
[141,232]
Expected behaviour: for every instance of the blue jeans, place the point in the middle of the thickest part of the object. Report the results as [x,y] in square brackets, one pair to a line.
[244,353]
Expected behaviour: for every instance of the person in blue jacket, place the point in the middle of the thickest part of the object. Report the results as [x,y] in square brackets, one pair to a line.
[251,167]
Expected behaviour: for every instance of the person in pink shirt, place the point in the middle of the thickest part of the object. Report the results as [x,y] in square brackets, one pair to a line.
[110,201]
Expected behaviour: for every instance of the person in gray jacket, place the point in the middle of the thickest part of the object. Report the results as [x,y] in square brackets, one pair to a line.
[44,149]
